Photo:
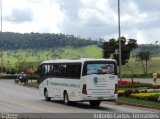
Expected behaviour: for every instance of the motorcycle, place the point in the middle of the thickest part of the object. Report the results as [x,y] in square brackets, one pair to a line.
[22,79]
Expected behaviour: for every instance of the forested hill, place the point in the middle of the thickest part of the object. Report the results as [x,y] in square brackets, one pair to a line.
[14,41]
[154,49]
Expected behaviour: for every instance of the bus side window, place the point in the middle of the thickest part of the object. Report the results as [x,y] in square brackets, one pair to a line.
[47,70]
[74,71]
[50,72]
[39,73]
[78,73]
[56,70]
[41,70]
[64,70]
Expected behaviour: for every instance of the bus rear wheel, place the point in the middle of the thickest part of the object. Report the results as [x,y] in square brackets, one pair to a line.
[46,96]
[66,98]
[95,103]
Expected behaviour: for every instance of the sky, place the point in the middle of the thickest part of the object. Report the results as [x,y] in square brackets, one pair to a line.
[140,19]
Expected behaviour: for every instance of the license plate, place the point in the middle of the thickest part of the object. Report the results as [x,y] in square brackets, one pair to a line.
[100,98]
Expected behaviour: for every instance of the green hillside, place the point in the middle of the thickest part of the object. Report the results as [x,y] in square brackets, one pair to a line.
[40,41]
[29,49]
[32,58]
[135,67]
[11,58]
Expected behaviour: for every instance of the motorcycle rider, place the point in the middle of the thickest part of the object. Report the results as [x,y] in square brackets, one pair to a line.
[23,78]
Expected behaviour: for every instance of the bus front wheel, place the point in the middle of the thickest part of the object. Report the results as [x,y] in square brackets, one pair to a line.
[46,95]
[66,98]
[95,103]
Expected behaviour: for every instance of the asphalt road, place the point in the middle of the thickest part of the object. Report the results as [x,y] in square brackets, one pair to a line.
[24,100]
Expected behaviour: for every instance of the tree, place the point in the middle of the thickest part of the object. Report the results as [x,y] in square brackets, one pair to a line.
[14,41]
[20,64]
[144,57]
[111,48]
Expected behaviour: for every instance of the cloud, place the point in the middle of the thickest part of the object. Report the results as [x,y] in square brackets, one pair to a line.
[133,14]
[139,18]
[97,19]
[31,16]
[70,8]
[148,5]
[85,18]
[19,16]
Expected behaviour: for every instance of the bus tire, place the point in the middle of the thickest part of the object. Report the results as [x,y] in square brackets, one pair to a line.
[46,95]
[95,103]
[66,98]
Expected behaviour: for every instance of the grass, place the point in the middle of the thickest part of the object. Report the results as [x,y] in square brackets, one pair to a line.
[135,67]
[138,102]
[34,57]
[132,88]
[84,52]
[33,84]
[12,57]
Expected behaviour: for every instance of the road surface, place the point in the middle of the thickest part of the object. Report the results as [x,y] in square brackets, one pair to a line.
[19,99]
[142,80]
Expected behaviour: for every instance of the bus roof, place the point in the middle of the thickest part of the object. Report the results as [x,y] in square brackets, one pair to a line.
[75,60]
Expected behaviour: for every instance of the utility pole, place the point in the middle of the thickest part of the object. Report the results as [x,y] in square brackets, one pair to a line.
[1,42]
[119,38]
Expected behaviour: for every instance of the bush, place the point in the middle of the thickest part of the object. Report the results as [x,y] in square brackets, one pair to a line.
[146,96]
[35,77]
[143,85]
[134,85]
[7,71]
[153,98]
[144,91]
[137,75]
[127,82]
[127,93]
[136,91]
[158,99]
[123,83]
[141,95]
[154,87]
[13,71]
[14,76]
[120,92]
[8,76]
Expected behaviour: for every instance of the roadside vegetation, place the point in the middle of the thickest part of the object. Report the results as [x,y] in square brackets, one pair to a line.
[138,102]
[24,52]
[141,94]
[33,84]
[32,58]
[18,60]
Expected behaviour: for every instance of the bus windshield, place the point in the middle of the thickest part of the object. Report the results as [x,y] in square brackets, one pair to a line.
[99,68]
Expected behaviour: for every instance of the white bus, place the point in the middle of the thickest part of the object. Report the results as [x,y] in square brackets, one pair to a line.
[92,80]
